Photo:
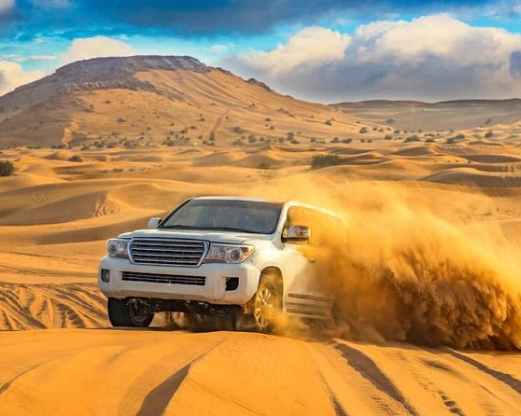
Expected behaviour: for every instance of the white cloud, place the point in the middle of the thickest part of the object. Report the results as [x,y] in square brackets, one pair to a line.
[12,75]
[439,36]
[313,46]
[96,47]
[6,6]
[30,58]
[219,48]
[431,57]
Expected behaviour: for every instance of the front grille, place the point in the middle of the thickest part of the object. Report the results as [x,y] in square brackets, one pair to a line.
[166,252]
[164,278]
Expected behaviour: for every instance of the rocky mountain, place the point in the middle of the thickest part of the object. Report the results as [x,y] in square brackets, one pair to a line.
[144,99]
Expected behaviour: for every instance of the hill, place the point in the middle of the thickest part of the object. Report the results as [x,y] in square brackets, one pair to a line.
[151,99]
[415,115]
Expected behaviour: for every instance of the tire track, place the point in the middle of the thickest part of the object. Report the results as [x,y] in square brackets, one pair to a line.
[368,369]
[504,378]
[43,306]
[158,397]
[157,400]
[429,386]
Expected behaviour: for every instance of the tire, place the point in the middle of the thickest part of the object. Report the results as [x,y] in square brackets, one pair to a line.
[123,314]
[263,310]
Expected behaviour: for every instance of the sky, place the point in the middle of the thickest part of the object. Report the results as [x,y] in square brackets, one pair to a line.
[318,50]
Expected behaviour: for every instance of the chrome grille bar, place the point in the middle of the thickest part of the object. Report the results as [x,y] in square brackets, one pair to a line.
[167,252]
[163,278]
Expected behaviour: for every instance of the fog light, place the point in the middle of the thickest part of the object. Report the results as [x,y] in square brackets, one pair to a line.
[232,283]
[105,275]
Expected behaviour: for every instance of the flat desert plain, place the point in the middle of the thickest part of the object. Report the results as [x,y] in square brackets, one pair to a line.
[429,283]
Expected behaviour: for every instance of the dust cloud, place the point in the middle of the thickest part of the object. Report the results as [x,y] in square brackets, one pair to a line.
[419,264]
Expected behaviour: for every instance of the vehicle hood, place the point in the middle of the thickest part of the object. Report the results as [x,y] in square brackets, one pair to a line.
[212,236]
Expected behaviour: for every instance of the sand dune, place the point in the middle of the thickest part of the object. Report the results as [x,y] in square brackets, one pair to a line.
[51,306]
[428,283]
[177,373]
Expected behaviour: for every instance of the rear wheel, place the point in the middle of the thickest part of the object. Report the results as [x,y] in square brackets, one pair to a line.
[264,309]
[130,313]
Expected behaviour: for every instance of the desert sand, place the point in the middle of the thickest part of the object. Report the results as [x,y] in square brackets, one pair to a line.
[59,356]
[429,282]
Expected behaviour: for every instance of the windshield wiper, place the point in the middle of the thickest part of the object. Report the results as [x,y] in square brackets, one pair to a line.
[192,227]
[181,227]
[240,230]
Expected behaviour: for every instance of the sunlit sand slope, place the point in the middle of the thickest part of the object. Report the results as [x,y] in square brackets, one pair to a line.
[108,372]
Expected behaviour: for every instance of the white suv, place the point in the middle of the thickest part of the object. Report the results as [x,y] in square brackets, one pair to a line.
[247,259]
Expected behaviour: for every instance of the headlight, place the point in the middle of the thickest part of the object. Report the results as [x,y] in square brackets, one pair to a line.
[227,253]
[118,248]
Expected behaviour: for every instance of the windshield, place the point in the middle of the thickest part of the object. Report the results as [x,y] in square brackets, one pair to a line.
[226,215]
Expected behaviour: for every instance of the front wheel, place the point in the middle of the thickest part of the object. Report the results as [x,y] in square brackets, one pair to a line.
[129,313]
[263,310]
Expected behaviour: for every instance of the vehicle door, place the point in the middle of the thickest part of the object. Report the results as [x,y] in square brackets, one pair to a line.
[303,296]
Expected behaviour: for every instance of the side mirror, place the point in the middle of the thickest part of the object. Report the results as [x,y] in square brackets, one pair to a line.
[297,233]
[154,222]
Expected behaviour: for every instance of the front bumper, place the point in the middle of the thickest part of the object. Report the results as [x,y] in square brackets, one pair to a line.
[214,290]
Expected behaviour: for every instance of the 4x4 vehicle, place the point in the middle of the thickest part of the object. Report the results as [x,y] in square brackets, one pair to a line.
[247,259]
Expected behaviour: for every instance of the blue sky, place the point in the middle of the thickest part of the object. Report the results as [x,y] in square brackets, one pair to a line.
[307,48]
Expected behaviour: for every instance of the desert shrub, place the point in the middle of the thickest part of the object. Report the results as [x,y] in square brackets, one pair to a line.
[347,141]
[335,140]
[252,138]
[75,158]
[390,121]
[212,137]
[489,134]
[6,168]
[121,120]
[328,122]
[363,130]
[322,161]
[238,130]
[411,139]
[264,166]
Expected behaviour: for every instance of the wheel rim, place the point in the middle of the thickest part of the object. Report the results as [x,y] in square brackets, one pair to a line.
[265,304]
[136,313]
